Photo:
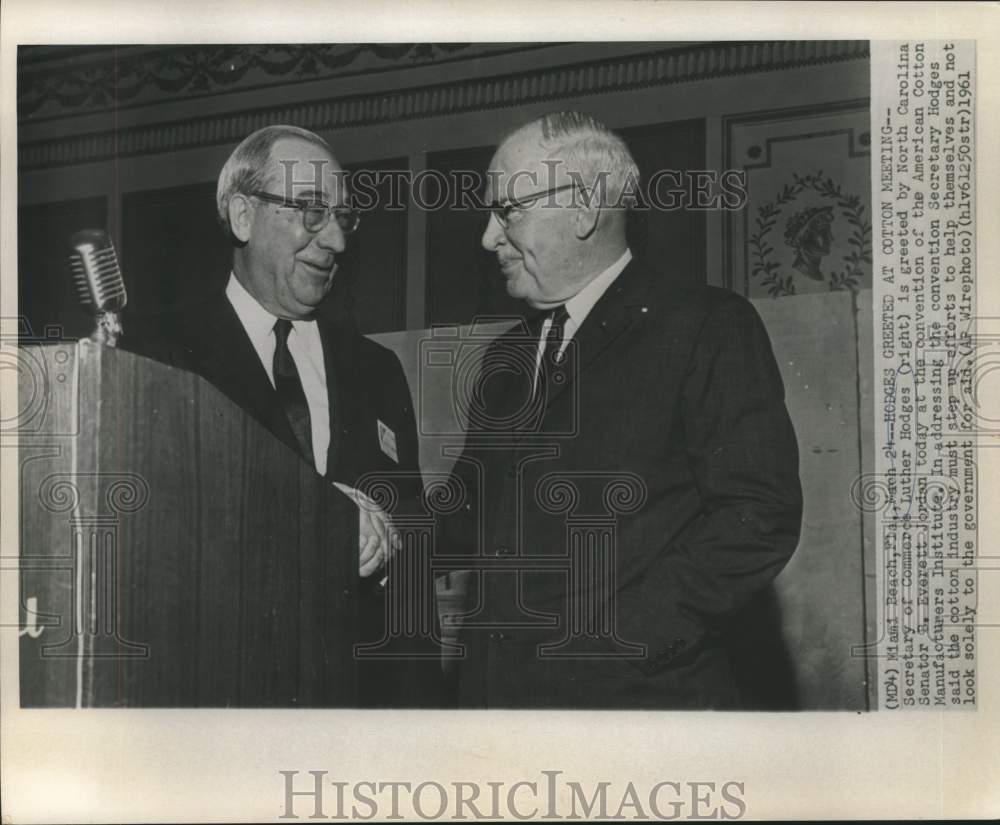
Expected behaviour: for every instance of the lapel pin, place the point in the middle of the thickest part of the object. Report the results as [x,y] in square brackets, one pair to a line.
[387,441]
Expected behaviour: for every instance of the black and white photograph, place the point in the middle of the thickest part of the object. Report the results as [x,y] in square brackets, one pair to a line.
[497,425]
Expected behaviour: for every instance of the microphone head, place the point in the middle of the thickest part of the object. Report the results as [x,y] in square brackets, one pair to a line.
[96,272]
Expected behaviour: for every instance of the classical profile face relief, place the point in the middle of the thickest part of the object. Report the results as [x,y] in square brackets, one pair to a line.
[288,268]
[810,233]
[538,250]
[818,238]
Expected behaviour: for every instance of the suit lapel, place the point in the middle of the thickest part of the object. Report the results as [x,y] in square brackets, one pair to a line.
[503,404]
[227,358]
[615,311]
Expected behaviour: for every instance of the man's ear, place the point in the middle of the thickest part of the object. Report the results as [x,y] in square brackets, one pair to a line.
[585,221]
[240,217]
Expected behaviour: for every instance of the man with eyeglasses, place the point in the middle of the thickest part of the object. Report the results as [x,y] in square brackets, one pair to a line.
[632,472]
[338,399]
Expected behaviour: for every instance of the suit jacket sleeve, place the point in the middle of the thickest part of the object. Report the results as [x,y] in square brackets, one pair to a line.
[743,455]
[411,676]
[457,531]
[409,445]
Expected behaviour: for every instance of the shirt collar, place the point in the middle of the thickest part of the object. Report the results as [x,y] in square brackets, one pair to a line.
[579,306]
[257,321]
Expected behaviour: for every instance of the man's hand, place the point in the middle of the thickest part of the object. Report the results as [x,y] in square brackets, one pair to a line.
[377,539]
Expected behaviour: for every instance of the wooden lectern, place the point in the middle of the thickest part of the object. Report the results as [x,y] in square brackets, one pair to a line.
[173,552]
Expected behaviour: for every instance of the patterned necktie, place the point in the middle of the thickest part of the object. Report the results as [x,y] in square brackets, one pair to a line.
[288,385]
[552,374]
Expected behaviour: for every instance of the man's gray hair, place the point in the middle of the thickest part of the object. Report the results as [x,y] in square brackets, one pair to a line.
[246,170]
[591,150]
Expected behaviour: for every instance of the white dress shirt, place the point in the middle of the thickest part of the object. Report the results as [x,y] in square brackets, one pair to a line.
[306,349]
[578,307]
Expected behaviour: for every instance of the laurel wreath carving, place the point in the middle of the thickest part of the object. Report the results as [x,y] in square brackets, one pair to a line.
[860,240]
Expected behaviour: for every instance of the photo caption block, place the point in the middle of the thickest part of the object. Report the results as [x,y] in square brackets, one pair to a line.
[923,174]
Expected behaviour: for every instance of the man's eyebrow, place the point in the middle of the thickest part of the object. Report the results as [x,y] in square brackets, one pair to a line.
[311,195]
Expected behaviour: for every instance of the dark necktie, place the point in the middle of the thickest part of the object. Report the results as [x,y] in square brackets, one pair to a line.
[288,385]
[553,372]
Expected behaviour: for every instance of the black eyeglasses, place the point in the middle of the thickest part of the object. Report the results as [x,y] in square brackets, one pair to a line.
[316,214]
[503,210]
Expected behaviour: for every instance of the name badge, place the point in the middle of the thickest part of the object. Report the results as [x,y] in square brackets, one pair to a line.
[387,441]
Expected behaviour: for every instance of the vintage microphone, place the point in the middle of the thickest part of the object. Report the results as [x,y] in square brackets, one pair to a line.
[99,283]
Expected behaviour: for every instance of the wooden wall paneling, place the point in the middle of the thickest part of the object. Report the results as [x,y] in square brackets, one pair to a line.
[416,259]
[463,280]
[173,251]
[673,241]
[370,284]
[820,595]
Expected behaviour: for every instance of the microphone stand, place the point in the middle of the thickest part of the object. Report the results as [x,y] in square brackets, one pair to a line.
[109,327]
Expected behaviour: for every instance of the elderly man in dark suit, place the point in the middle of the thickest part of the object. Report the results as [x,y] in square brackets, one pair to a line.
[630,469]
[335,397]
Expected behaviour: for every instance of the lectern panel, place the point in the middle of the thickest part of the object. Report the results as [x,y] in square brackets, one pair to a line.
[177,553]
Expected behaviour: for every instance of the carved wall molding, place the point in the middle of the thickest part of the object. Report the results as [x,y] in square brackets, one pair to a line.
[53,81]
[657,68]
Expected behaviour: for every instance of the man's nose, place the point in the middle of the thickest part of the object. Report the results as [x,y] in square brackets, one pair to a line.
[493,235]
[332,237]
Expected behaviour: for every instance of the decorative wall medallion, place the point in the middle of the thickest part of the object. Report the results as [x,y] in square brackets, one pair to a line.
[812,230]
[806,227]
